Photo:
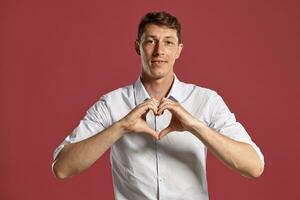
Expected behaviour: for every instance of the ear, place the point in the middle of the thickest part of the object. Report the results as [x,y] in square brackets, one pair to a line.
[137,47]
[180,47]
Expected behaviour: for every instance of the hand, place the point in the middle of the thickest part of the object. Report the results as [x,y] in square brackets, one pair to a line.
[181,119]
[135,121]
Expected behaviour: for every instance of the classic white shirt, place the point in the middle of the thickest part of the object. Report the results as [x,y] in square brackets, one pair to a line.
[171,168]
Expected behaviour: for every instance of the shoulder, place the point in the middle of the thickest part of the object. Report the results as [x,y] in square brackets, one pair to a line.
[190,90]
[118,94]
[115,103]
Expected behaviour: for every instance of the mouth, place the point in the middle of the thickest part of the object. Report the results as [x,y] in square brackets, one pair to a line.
[159,62]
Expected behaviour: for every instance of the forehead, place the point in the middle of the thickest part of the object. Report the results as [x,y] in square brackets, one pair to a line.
[153,30]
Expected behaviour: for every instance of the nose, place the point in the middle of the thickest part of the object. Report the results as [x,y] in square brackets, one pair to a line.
[159,49]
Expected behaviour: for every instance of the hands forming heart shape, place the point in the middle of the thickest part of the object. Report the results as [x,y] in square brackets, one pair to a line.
[135,121]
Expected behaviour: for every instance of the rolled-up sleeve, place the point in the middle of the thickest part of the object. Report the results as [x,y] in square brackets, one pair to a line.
[96,119]
[224,122]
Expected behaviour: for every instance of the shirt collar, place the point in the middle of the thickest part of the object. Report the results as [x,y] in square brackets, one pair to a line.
[141,94]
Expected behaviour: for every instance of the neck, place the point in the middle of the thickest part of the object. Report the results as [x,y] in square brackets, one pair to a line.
[158,88]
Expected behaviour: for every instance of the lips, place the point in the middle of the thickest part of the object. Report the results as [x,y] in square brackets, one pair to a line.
[158,61]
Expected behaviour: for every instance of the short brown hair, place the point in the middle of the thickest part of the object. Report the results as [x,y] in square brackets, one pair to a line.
[161,19]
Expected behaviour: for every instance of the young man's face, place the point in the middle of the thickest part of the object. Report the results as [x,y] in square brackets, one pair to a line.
[158,48]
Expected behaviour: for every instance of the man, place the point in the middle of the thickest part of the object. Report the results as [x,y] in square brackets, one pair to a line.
[182,120]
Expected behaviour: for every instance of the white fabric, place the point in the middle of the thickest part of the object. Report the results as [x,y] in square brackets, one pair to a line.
[171,168]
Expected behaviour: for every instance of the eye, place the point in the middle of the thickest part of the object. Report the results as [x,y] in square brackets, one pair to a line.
[169,43]
[149,41]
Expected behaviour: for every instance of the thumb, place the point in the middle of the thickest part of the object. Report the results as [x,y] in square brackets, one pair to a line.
[165,132]
[152,133]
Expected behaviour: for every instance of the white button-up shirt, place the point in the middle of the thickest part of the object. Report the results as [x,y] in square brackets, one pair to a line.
[171,168]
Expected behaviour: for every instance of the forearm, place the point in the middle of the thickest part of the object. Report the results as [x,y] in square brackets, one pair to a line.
[239,156]
[76,157]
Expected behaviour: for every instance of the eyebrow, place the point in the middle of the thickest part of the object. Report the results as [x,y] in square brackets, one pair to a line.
[153,36]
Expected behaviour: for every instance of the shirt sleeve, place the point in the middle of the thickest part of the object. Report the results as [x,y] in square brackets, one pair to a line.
[95,120]
[224,122]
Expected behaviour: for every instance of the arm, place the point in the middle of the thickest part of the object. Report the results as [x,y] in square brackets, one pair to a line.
[239,156]
[76,157]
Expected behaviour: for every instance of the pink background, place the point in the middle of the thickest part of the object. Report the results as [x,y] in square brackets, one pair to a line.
[58,57]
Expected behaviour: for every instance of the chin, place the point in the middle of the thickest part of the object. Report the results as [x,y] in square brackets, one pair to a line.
[159,74]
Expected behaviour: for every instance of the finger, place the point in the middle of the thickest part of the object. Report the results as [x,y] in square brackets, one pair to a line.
[165,132]
[166,106]
[148,101]
[145,108]
[154,104]
[142,109]
[153,101]
[155,107]
[166,100]
[151,132]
